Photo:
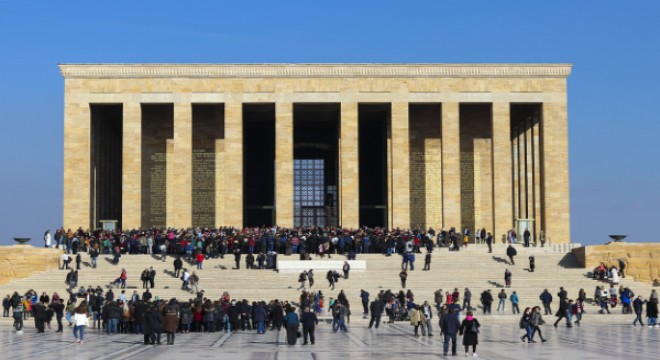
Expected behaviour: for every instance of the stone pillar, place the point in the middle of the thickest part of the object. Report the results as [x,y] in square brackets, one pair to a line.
[182,169]
[77,157]
[233,170]
[451,166]
[349,202]
[502,167]
[131,182]
[284,164]
[554,144]
[400,189]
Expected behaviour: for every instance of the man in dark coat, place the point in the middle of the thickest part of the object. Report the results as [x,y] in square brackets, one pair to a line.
[58,308]
[152,277]
[377,307]
[309,322]
[39,314]
[178,265]
[278,315]
[449,326]
[546,299]
[365,301]
[562,313]
[511,252]
[237,257]
[153,320]
[486,300]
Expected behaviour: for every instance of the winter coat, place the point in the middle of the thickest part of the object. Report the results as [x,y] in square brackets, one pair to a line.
[469,337]
[416,317]
[171,322]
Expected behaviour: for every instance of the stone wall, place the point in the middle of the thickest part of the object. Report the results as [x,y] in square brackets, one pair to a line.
[642,259]
[20,261]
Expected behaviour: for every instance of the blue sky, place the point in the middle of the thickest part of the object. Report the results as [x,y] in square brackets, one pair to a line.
[613,91]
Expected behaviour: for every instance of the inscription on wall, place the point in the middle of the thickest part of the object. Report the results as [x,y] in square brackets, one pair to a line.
[203,178]
[158,194]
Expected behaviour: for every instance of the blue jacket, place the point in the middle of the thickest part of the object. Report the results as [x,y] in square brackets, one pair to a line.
[291,318]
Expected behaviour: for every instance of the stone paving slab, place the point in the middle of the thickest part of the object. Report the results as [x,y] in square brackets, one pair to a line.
[591,341]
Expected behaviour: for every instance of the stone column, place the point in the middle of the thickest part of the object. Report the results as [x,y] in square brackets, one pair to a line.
[182,161]
[400,189]
[284,164]
[77,159]
[349,185]
[131,183]
[554,144]
[502,167]
[451,166]
[233,206]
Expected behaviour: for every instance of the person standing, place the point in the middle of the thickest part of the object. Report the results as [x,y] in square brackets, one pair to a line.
[58,308]
[152,276]
[470,332]
[309,322]
[237,258]
[39,314]
[427,261]
[467,298]
[514,303]
[200,260]
[403,275]
[652,313]
[449,326]
[486,301]
[546,299]
[47,239]
[489,242]
[178,265]
[171,321]
[365,301]
[502,296]
[346,268]
[428,314]
[526,237]
[145,278]
[417,319]
[291,324]
[331,279]
[622,268]
[532,263]
[80,321]
[507,278]
[302,279]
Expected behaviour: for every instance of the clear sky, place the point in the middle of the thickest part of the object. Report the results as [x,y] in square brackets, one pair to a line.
[614,91]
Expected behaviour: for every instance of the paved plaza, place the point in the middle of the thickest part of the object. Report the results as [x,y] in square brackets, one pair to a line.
[497,341]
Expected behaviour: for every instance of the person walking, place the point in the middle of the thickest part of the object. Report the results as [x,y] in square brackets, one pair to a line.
[309,322]
[486,301]
[562,313]
[346,268]
[470,332]
[449,326]
[511,253]
[291,324]
[536,320]
[525,324]
[302,279]
[310,277]
[403,275]
[377,306]
[652,313]
[638,306]
[427,261]
[178,265]
[428,314]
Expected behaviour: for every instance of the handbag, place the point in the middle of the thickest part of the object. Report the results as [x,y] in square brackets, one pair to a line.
[475,328]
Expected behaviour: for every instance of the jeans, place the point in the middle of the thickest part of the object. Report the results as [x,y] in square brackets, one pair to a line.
[374,320]
[199,265]
[69,317]
[638,318]
[445,344]
[429,327]
[260,327]
[653,321]
[530,332]
[79,329]
[112,326]
[93,262]
[501,304]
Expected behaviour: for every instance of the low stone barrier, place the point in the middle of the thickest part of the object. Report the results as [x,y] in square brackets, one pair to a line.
[317,265]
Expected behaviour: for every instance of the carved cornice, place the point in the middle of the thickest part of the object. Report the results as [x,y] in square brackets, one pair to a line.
[131,71]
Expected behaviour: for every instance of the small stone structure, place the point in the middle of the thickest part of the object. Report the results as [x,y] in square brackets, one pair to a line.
[21,261]
[642,259]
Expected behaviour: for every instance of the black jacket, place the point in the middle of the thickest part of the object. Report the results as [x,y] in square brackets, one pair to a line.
[376,308]
[309,319]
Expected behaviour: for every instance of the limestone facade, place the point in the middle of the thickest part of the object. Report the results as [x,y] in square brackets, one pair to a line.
[452,165]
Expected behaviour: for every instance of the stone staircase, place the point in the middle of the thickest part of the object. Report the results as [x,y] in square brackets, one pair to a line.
[472,267]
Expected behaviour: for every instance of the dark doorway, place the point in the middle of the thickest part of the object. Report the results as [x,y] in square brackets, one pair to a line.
[208,127]
[258,165]
[106,163]
[373,123]
[315,134]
